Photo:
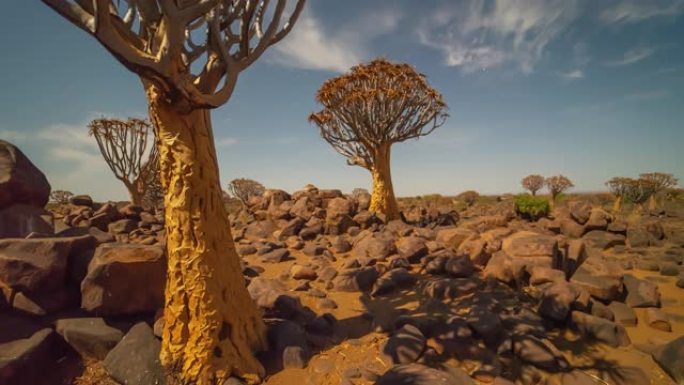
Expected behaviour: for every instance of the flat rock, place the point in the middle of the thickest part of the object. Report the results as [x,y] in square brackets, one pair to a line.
[600,329]
[658,319]
[602,279]
[24,361]
[91,337]
[623,314]
[640,292]
[670,357]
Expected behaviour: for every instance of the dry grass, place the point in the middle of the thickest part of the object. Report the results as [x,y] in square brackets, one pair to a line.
[94,373]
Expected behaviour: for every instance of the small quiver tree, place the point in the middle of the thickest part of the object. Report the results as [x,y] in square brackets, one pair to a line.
[127,147]
[372,107]
[557,185]
[61,196]
[618,187]
[244,189]
[658,182]
[638,192]
[533,183]
[468,198]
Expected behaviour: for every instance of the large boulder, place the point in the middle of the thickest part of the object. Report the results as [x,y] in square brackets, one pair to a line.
[602,279]
[20,180]
[452,237]
[124,279]
[640,292]
[602,240]
[135,360]
[600,329]
[20,220]
[532,248]
[38,264]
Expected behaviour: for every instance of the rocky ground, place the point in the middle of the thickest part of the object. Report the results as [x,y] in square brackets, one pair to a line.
[464,296]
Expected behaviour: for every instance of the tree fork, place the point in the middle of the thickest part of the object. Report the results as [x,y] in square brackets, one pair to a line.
[212,326]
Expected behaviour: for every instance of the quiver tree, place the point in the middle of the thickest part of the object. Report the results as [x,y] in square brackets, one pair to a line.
[244,189]
[153,195]
[557,185]
[533,183]
[188,55]
[618,187]
[657,182]
[638,191]
[128,150]
[468,197]
[367,110]
[61,196]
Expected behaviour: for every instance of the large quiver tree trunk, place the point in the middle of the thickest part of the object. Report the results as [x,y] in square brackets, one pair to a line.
[212,326]
[383,201]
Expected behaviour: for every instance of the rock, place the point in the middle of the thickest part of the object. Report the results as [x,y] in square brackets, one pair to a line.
[125,279]
[91,337]
[20,180]
[580,211]
[356,280]
[669,269]
[623,314]
[135,359]
[576,254]
[20,220]
[37,264]
[411,248]
[539,352]
[436,265]
[680,281]
[340,245]
[598,309]
[453,237]
[405,346]
[459,267]
[485,324]
[540,275]
[658,319]
[294,357]
[293,227]
[557,300]
[372,247]
[533,248]
[598,219]
[271,295]
[640,292]
[26,361]
[478,250]
[570,228]
[122,226]
[602,279]
[602,240]
[44,302]
[670,357]
[275,256]
[600,329]
[81,200]
[396,278]
[303,272]
[505,269]
[416,374]
[338,218]
[449,288]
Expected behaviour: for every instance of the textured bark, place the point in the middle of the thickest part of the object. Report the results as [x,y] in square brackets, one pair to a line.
[382,200]
[212,326]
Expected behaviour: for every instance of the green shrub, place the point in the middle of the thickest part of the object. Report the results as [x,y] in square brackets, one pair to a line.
[531,207]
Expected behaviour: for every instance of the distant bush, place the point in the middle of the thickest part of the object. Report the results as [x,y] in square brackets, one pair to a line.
[531,207]
[468,197]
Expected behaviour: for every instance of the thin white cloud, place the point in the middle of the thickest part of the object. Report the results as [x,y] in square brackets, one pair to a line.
[226,142]
[573,75]
[311,46]
[647,95]
[481,35]
[632,56]
[632,11]
[13,136]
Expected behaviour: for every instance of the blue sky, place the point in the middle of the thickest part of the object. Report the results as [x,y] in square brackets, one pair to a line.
[589,89]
